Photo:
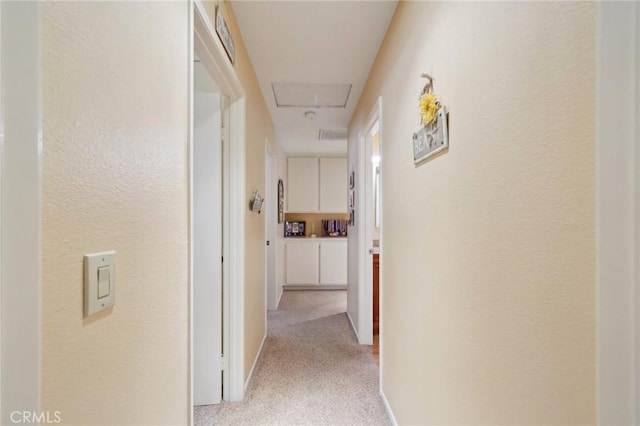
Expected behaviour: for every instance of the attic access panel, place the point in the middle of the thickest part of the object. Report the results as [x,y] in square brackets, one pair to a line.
[296,95]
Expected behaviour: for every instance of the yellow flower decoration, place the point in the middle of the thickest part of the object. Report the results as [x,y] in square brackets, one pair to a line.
[428,107]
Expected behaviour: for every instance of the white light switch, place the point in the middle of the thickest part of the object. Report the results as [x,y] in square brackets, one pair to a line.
[104,275]
[99,282]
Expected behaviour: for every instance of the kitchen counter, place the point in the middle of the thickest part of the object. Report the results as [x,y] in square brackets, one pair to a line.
[289,239]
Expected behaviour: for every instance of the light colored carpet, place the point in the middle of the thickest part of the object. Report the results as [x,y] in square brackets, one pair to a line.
[312,371]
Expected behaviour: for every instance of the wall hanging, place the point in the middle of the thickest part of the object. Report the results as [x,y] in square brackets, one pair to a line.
[256,202]
[280,201]
[225,35]
[432,136]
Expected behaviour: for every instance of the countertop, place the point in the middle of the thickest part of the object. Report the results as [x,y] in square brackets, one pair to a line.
[291,239]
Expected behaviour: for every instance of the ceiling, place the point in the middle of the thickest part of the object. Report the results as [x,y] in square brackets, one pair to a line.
[312,50]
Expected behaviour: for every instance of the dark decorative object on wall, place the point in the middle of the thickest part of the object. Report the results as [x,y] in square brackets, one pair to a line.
[280,201]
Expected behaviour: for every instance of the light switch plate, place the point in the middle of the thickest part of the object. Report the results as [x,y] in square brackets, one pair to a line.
[103,266]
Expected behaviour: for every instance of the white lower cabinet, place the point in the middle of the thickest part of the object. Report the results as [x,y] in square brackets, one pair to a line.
[316,262]
[333,263]
[302,262]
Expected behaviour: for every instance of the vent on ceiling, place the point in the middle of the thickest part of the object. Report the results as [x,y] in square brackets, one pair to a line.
[332,134]
[295,95]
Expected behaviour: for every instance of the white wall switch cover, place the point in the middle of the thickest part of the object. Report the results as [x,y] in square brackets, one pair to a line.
[99,281]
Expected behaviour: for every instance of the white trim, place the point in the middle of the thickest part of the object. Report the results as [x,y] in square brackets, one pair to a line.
[21,208]
[617,218]
[213,56]
[190,106]
[637,206]
[279,298]
[388,409]
[355,330]
[235,286]
[255,363]
[381,237]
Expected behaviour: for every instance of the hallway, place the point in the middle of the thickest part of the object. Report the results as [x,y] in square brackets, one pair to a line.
[312,370]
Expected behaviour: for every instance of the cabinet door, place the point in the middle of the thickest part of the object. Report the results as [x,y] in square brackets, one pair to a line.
[302,183]
[333,185]
[333,263]
[302,262]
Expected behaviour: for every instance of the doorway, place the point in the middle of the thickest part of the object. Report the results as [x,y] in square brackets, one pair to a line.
[217,169]
[371,165]
[208,329]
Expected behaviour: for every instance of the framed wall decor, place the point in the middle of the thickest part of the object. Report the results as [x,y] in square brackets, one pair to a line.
[225,35]
[280,201]
[432,136]
[431,139]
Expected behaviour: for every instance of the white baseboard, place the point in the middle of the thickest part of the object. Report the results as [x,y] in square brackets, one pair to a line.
[279,298]
[314,287]
[353,327]
[387,407]
[255,362]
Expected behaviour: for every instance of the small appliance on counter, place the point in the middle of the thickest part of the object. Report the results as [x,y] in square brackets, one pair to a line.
[335,228]
[294,229]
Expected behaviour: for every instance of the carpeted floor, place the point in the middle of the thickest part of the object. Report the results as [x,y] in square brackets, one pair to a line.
[312,371]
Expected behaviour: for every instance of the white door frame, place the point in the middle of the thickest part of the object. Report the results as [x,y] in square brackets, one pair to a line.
[365,216]
[21,155]
[211,53]
[618,213]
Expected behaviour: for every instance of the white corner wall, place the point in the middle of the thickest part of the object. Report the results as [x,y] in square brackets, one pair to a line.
[21,156]
[618,186]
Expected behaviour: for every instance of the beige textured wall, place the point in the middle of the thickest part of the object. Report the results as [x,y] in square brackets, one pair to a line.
[488,257]
[114,177]
[259,126]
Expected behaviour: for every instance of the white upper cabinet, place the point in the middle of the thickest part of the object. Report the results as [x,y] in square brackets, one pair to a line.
[333,185]
[316,185]
[303,185]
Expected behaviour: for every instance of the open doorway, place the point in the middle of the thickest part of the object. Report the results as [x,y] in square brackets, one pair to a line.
[217,218]
[371,233]
[207,213]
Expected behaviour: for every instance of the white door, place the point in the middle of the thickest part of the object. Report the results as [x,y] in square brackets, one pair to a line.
[271,218]
[371,224]
[207,241]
